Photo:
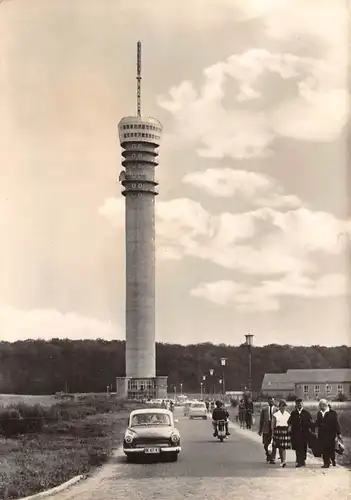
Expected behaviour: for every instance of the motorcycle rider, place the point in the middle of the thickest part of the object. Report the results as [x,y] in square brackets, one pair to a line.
[219,413]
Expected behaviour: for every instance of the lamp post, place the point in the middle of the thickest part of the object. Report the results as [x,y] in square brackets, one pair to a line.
[201,384]
[249,343]
[181,388]
[204,383]
[212,384]
[223,363]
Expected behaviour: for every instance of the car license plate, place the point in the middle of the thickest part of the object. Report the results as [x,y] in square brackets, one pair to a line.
[152,450]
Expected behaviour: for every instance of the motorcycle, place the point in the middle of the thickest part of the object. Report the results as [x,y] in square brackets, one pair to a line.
[221,430]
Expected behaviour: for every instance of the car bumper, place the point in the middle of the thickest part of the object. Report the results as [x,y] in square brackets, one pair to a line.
[165,449]
[198,415]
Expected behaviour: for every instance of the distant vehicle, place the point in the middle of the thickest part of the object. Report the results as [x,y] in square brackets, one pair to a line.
[181,400]
[151,431]
[197,410]
[186,409]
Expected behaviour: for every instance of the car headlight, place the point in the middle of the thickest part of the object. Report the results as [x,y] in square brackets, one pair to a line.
[128,437]
[175,438]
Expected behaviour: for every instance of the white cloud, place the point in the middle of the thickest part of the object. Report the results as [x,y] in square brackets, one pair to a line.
[317,112]
[266,295]
[261,241]
[17,324]
[259,189]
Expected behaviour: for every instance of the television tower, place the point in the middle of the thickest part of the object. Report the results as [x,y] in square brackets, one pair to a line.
[139,139]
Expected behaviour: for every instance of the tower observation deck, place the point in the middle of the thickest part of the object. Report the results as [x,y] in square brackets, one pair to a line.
[139,139]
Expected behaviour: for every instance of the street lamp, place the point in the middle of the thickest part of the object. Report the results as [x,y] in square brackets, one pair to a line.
[201,384]
[211,373]
[204,383]
[181,388]
[223,362]
[249,343]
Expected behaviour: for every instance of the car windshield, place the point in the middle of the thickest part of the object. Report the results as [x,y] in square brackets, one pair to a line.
[150,419]
[198,405]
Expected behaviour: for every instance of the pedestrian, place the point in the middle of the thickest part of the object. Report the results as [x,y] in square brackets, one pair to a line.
[207,403]
[328,427]
[265,429]
[242,413]
[249,410]
[280,428]
[301,425]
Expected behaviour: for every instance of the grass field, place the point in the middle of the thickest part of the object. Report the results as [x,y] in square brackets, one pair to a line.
[13,399]
[76,436]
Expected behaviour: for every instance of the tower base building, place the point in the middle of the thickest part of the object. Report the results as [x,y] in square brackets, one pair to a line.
[141,388]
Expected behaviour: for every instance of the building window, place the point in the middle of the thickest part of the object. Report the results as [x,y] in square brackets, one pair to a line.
[340,389]
[305,390]
[133,155]
[317,390]
[142,135]
[143,127]
[328,389]
[133,146]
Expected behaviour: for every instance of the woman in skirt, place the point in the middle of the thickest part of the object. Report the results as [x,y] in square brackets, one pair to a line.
[281,434]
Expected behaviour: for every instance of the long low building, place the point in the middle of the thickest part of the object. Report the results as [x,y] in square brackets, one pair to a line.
[308,384]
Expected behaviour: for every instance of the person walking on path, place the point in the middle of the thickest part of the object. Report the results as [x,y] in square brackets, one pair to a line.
[265,429]
[249,411]
[281,435]
[301,425]
[328,427]
[242,413]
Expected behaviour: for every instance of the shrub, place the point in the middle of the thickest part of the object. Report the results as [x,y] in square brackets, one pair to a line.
[10,422]
[341,397]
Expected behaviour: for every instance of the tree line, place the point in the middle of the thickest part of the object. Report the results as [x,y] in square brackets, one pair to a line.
[46,367]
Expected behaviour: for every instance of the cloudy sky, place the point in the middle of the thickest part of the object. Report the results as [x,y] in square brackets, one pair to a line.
[253,219]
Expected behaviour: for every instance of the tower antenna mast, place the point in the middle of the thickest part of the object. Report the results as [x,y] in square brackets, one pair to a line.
[139,79]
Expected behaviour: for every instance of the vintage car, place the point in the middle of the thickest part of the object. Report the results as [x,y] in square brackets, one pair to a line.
[151,431]
[197,410]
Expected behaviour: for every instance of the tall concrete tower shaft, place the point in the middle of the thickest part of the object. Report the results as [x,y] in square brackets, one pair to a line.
[139,140]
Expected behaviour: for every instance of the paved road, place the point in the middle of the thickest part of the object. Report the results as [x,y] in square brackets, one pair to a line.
[208,469]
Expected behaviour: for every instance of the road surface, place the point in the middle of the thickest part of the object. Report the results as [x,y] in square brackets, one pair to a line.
[208,469]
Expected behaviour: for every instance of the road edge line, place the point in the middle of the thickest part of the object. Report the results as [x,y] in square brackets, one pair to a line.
[56,489]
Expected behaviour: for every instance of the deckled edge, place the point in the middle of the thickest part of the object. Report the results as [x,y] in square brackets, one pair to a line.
[57,489]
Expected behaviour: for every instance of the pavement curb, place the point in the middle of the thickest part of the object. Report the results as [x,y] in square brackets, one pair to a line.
[57,489]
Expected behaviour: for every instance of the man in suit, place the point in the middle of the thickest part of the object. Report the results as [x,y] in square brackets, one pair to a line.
[328,427]
[301,424]
[265,429]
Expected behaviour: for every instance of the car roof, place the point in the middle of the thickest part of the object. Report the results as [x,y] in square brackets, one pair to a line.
[149,410]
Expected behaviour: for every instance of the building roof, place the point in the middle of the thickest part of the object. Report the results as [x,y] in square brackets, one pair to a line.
[276,381]
[324,375]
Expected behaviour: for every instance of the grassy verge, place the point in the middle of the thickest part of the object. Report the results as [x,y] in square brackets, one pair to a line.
[74,438]
[344,415]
